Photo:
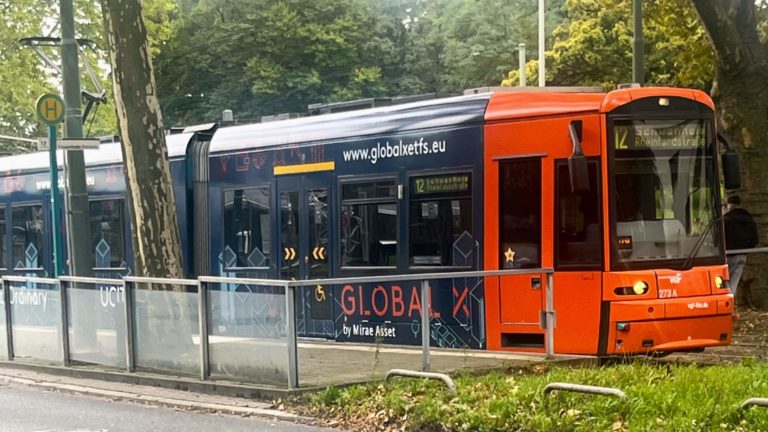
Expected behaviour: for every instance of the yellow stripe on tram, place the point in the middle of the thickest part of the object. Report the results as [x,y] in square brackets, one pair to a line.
[305,168]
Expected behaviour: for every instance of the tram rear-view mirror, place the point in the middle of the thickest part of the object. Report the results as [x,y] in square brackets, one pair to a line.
[730,162]
[731,170]
[577,163]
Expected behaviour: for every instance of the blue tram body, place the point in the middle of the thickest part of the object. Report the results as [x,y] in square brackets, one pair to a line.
[381,191]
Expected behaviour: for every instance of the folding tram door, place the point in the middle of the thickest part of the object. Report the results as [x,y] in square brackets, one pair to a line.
[304,226]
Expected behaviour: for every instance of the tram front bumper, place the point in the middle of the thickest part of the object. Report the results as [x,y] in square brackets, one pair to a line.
[669,325]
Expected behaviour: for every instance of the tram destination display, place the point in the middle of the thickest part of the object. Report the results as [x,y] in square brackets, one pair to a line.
[659,135]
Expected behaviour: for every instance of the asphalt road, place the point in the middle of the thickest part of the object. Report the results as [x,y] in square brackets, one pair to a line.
[25,409]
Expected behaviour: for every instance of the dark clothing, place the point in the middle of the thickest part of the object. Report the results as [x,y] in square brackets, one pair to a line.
[740,230]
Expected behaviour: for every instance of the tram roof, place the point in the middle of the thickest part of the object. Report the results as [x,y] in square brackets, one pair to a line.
[434,113]
[106,154]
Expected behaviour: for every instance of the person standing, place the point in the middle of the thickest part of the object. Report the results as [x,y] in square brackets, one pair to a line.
[740,233]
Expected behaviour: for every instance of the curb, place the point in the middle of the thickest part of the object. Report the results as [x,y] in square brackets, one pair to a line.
[156,400]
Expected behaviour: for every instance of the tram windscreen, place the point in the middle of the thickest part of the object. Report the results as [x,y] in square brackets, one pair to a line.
[664,205]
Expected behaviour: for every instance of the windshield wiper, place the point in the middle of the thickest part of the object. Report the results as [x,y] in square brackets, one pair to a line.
[688,263]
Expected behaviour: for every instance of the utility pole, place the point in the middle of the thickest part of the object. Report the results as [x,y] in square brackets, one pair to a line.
[521,63]
[638,43]
[542,42]
[78,212]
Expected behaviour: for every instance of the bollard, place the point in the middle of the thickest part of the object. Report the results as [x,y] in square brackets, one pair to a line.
[428,375]
[763,402]
[579,388]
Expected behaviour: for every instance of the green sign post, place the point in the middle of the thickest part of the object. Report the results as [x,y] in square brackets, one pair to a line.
[50,110]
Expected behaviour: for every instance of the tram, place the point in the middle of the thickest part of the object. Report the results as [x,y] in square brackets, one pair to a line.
[618,192]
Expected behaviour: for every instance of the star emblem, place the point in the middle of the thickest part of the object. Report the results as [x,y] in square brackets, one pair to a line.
[509,255]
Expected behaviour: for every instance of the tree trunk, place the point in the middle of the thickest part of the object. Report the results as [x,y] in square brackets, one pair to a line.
[155,230]
[164,316]
[741,94]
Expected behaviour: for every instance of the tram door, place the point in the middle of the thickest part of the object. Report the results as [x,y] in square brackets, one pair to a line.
[304,222]
[520,224]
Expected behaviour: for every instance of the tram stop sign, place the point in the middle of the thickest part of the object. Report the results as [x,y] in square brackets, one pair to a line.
[50,109]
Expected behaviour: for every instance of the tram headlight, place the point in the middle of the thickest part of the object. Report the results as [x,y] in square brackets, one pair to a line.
[719,282]
[640,288]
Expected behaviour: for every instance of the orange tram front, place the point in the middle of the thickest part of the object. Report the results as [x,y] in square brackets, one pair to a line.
[619,193]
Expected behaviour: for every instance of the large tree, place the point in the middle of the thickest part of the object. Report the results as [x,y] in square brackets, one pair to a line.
[155,231]
[260,57]
[737,31]
[593,46]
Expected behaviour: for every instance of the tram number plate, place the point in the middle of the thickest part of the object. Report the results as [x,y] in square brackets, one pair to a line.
[667,293]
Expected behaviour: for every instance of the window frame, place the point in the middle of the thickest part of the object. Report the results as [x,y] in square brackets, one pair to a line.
[4,258]
[353,179]
[43,249]
[125,231]
[270,200]
[596,161]
[408,198]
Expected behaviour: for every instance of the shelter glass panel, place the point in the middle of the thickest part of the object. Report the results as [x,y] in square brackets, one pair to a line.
[247,333]
[36,315]
[167,332]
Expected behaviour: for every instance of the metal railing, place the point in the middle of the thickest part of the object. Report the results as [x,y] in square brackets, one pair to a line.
[192,322]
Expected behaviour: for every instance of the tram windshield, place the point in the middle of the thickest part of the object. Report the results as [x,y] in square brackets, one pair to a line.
[664,192]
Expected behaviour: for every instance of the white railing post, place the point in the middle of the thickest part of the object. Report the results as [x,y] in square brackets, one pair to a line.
[202,307]
[290,327]
[425,336]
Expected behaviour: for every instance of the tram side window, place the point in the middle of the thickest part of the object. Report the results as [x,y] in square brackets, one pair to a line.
[579,236]
[27,236]
[369,224]
[520,213]
[440,220]
[107,231]
[247,226]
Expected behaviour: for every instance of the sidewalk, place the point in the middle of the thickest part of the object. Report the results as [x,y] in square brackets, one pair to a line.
[179,399]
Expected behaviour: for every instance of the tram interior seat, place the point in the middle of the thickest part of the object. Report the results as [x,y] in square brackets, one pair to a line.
[653,238]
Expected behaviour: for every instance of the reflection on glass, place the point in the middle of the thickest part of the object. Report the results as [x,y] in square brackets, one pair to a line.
[27,236]
[369,224]
[440,220]
[289,235]
[579,232]
[247,333]
[97,324]
[664,191]
[166,329]
[520,213]
[36,321]
[247,226]
[317,203]
[107,230]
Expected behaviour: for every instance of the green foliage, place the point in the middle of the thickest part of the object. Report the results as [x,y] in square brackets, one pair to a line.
[660,398]
[21,73]
[457,45]
[261,57]
[25,76]
[593,46]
